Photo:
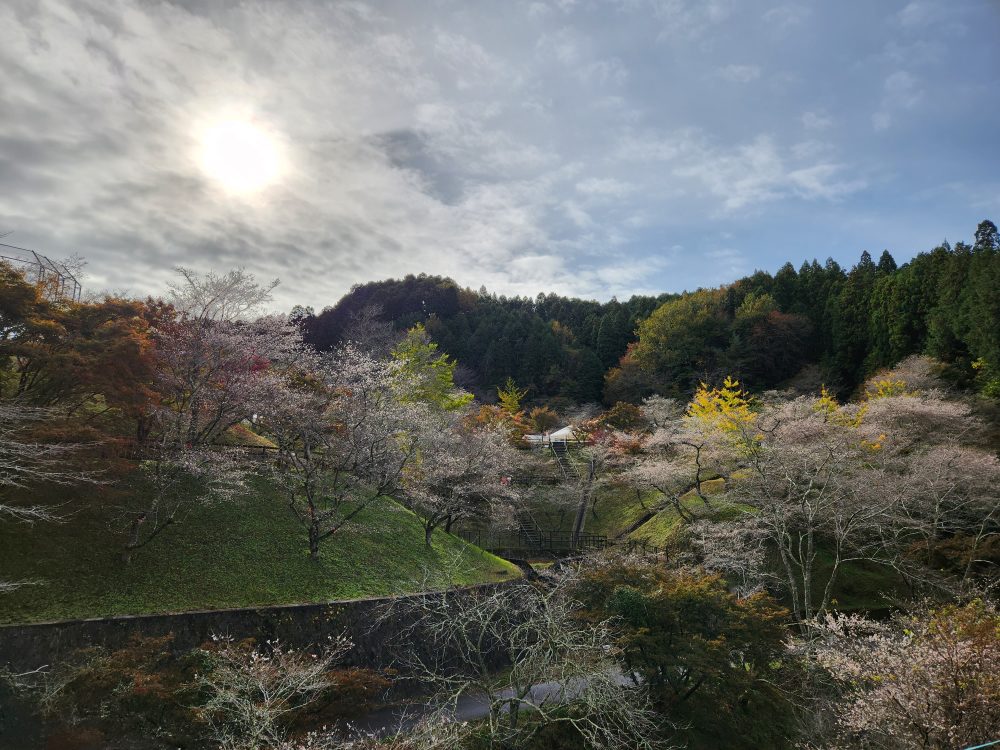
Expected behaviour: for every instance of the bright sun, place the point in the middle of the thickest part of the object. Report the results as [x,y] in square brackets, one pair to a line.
[240,156]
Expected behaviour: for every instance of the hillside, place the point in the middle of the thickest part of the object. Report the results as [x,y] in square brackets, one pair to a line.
[622,514]
[245,553]
[843,324]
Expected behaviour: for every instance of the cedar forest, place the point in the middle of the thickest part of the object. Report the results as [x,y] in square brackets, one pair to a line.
[762,329]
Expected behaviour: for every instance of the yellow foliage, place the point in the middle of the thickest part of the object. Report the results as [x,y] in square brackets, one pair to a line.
[727,409]
[835,413]
[510,397]
[826,402]
[886,388]
[874,445]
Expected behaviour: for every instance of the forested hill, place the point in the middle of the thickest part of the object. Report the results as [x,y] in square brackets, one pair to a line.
[555,346]
[763,328]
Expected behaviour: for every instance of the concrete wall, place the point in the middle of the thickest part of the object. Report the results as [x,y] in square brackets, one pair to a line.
[25,647]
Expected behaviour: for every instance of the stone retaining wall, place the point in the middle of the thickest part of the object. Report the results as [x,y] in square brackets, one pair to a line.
[26,647]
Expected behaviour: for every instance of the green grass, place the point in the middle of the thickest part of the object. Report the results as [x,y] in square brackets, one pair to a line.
[861,585]
[247,553]
[660,529]
[617,509]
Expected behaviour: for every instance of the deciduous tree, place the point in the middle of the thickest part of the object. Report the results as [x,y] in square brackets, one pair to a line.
[930,679]
[216,366]
[563,670]
[344,440]
[709,658]
[461,471]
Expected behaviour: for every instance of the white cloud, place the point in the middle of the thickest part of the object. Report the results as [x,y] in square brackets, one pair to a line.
[689,18]
[652,146]
[919,13]
[824,181]
[901,88]
[811,150]
[448,138]
[751,174]
[612,71]
[744,176]
[563,45]
[727,263]
[881,120]
[604,186]
[900,92]
[577,214]
[782,18]
[740,73]
[816,121]
[470,61]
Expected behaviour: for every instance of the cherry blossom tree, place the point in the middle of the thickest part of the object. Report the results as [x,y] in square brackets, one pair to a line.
[678,455]
[176,478]
[813,484]
[217,366]
[252,692]
[461,471]
[947,498]
[344,439]
[930,679]
[368,330]
[821,482]
[944,479]
[737,550]
[25,461]
[216,363]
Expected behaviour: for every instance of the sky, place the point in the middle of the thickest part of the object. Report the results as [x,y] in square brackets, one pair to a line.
[584,147]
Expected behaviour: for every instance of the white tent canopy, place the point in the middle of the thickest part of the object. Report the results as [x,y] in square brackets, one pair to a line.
[565,434]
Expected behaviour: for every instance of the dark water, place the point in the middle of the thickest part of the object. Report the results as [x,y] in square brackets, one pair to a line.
[19,729]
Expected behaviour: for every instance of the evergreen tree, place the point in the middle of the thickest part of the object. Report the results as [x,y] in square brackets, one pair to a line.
[786,288]
[850,323]
[886,263]
[987,237]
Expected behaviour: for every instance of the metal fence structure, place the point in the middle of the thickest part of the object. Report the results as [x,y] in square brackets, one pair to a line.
[534,542]
[640,547]
[54,279]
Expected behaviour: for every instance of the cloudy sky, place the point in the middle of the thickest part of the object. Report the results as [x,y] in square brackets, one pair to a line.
[587,147]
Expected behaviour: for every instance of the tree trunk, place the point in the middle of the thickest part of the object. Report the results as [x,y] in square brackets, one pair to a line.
[133,538]
[314,541]
[793,589]
[807,575]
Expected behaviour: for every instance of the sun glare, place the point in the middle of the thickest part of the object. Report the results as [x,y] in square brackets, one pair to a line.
[240,156]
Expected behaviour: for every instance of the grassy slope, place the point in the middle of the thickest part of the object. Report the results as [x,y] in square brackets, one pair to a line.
[617,509]
[660,528]
[861,585]
[228,555]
